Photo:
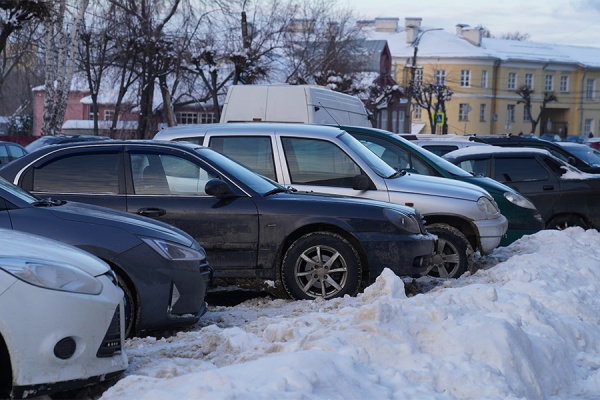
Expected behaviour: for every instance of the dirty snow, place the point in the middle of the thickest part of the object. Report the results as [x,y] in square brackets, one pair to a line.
[526,326]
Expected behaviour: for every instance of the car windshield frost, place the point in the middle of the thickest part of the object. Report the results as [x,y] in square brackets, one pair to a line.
[380,167]
[256,182]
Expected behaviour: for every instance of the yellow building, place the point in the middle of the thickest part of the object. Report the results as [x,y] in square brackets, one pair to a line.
[484,75]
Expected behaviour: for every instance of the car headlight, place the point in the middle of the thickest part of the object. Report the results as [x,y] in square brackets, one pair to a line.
[174,251]
[404,221]
[487,206]
[519,200]
[50,275]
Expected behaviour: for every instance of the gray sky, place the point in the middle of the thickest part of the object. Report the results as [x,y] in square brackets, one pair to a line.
[572,22]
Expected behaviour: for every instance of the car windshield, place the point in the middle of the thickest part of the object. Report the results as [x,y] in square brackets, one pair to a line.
[379,166]
[586,153]
[17,191]
[437,160]
[256,182]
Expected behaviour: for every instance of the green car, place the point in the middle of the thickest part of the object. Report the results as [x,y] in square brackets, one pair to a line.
[401,154]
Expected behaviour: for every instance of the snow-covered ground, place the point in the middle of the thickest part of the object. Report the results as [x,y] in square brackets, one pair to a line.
[526,327]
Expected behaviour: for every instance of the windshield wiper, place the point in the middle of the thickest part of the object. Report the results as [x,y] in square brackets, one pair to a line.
[288,189]
[48,203]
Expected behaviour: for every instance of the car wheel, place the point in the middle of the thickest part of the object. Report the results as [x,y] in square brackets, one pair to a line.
[129,306]
[453,254]
[566,221]
[321,264]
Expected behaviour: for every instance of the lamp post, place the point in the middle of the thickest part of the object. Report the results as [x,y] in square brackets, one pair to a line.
[415,44]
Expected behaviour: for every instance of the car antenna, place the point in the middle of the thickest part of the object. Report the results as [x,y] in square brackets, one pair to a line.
[327,111]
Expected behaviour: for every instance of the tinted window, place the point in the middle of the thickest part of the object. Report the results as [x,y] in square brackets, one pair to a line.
[318,162]
[167,175]
[80,173]
[394,155]
[439,150]
[255,153]
[519,170]
[475,167]
[195,140]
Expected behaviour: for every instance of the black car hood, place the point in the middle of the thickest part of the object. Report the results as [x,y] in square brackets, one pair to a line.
[135,224]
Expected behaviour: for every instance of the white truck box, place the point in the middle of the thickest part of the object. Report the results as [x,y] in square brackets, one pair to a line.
[292,103]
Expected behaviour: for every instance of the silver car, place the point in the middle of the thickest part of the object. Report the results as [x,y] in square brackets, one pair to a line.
[327,159]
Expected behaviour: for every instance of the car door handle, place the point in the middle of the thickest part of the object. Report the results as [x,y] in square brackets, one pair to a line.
[548,187]
[151,212]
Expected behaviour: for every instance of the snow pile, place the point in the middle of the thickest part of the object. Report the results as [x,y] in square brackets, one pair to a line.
[525,328]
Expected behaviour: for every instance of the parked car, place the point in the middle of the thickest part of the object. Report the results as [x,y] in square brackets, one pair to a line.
[327,159]
[583,152]
[252,228]
[441,144]
[564,195]
[61,317]
[593,142]
[61,139]
[10,151]
[162,270]
[405,155]
[553,147]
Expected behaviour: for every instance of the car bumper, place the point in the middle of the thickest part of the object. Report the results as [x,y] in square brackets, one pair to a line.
[491,232]
[90,321]
[518,229]
[171,293]
[407,255]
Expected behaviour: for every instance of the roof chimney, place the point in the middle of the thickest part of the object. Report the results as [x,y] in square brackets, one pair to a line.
[472,36]
[386,24]
[459,29]
[412,25]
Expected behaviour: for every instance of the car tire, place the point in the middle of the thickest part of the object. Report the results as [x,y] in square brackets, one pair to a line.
[334,269]
[129,307]
[453,254]
[566,221]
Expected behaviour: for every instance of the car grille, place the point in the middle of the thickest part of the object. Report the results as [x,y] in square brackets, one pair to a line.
[111,344]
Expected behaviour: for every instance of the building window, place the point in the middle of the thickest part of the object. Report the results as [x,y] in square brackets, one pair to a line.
[91,112]
[484,79]
[417,112]
[529,81]
[208,118]
[512,80]
[418,76]
[564,84]
[465,78]
[526,115]
[109,115]
[440,77]
[463,111]
[549,83]
[588,125]
[589,89]
[186,118]
[510,113]
[482,112]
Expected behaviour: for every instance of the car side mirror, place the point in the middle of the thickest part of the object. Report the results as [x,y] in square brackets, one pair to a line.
[361,182]
[218,188]
[571,161]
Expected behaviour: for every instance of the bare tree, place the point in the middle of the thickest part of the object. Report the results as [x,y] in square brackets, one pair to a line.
[516,35]
[61,37]
[525,92]
[433,97]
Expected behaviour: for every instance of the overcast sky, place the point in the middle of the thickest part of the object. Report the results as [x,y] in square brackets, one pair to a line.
[572,22]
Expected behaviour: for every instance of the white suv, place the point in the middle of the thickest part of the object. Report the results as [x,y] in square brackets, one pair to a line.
[329,160]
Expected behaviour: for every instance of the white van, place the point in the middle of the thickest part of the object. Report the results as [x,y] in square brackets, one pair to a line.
[306,104]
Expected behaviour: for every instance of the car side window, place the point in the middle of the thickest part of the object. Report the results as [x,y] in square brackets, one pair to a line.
[194,140]
[318,162]
[475,167]
[15,152]
[79,173]
[519,170]
[395,156]
[165,174]
[4,158]
[255,152]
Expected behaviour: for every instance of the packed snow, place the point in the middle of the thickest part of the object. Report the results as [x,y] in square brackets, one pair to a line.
[524,326]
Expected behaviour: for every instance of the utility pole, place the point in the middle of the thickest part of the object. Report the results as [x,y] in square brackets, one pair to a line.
[413,67]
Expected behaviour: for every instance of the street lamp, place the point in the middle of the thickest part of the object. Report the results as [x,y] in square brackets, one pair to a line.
[415,44]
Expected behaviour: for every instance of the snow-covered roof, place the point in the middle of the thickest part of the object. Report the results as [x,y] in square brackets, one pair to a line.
[440,43]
